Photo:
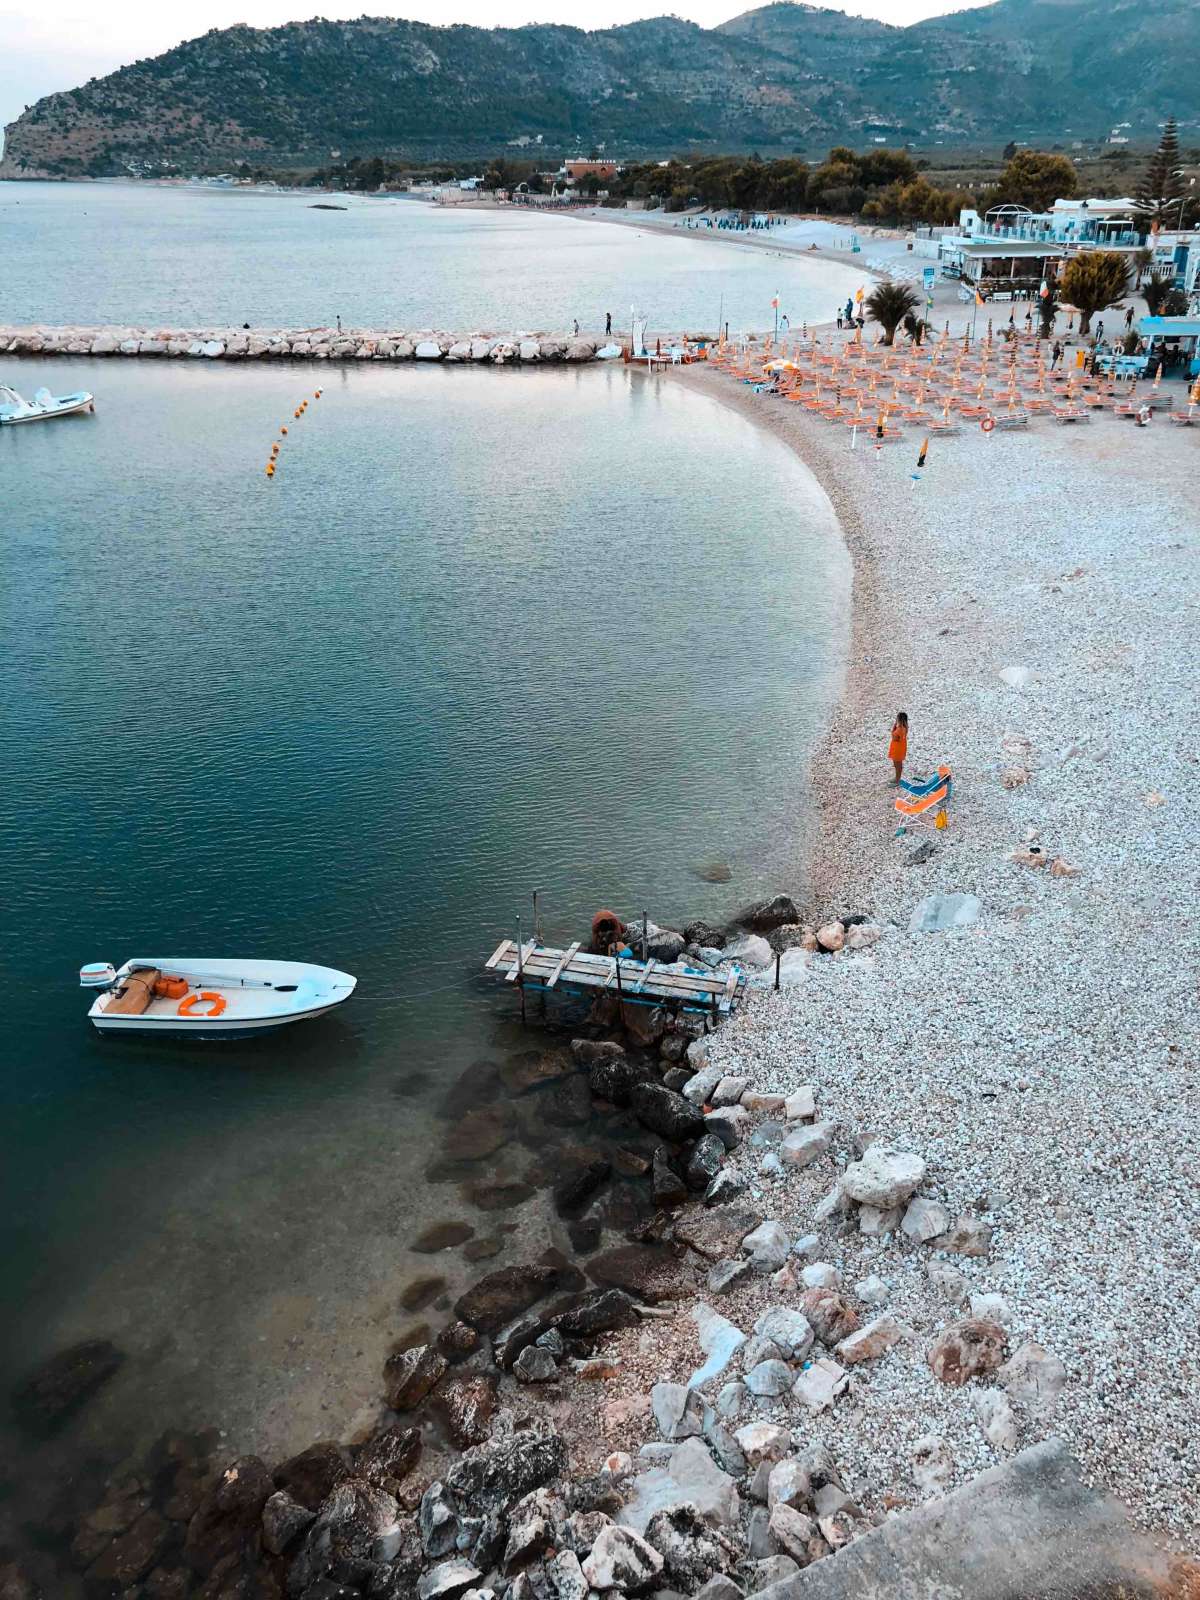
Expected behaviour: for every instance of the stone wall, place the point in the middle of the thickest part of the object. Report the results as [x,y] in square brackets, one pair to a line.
[312,344]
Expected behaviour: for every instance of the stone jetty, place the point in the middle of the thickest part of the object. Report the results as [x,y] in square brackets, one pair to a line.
[302,344]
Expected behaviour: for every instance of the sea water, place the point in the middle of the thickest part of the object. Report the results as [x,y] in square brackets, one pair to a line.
[187,255]
[485,632]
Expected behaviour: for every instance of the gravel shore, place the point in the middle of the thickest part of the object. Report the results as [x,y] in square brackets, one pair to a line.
[1042,1060]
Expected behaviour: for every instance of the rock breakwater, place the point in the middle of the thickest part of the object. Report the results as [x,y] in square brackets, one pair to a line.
[305,344]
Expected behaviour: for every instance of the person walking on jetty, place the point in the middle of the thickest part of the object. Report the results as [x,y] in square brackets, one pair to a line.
[608,322]
[1056,356]
[577,327]
[898,748]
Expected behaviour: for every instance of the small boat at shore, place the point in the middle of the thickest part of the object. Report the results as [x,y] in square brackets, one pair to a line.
[210,998]
[43,406]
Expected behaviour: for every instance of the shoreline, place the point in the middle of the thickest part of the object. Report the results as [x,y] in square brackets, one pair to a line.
[996,1050]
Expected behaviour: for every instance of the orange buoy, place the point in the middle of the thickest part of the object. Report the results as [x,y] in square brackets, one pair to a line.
[283,430]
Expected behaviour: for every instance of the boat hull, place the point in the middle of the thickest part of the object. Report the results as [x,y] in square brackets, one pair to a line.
[205,1028]
[48,413]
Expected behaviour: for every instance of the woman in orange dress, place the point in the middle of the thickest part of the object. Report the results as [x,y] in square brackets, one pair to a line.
[898,749]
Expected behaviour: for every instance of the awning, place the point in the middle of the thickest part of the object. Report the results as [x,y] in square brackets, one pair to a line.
[1169,327]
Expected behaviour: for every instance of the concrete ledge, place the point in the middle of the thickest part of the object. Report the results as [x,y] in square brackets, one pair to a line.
[1028,1530]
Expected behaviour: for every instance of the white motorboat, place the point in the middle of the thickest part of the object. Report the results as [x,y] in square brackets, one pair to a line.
[44,405]
[210,998]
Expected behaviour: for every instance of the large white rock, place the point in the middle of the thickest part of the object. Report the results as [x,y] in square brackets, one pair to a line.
[763,1441]
[750,950]
[869,1341]
[767,1246]
[791,1530]
[460,350]
[677,1410]
[787,1329]
[1034,1378]
[480,349]
[690,1477]
[428,350]
[925,1220]
[789,1484]
[213,348]
[801,1104]
[793,968]
[530,350]
[803,1146]
[996,1419]
[938,912]
[621,1559]
[884,1178]
[719,1339]
[820,1383]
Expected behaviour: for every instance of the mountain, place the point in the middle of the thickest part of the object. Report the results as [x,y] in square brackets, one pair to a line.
[784,77]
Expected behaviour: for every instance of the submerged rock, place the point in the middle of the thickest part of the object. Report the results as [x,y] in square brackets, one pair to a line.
[409,1376]
[57,1388]
[502,1295]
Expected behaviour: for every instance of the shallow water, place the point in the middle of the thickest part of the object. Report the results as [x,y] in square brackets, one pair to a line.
[485,632]
[101,252]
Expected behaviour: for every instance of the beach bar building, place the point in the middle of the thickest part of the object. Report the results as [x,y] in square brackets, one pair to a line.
[1175,341]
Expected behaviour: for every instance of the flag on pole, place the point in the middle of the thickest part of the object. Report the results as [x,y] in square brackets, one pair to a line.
[775,302]
[1044,291]
[858,293]
[924,451]
[979,300]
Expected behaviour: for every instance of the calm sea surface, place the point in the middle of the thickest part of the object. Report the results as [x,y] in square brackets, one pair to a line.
[100,252]
[485,632]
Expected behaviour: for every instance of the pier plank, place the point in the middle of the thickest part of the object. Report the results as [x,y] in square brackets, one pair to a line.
[574,969]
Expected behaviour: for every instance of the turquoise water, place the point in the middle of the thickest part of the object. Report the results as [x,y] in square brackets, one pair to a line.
[82,252]
[485,632]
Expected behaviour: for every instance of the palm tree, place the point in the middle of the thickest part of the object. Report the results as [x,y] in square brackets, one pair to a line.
[889,304]
[1093,282]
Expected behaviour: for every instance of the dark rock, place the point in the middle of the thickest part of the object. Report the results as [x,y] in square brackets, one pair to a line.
[478,1085]
[57,1388]
[645,1273]
[717,1234]
[645,1025]
[613,1078]
[356,1529]
[131,1555]
[666,1113]
[492,1477]
[573,1192]
[409,1376]
[598,1313]
[409,1338]
[438,1522]
[499,1196]
[765,915]
[587,1051]
[631,1163]
[535,1365]
[502,1295]
[584,1525]
[389,1456]
[673,1049]
[692,1552]
[585,1235]
[283,1519]
[666,1186]
[480,1133]
[705,1161]
[188,1488]
[457,1341]
[311,1476]
[567,1103]
[789,937]
[467,1404]
[706,934]
[533,1584]
[482,1249]
[508,1343]
[490,1540]
[442,1236]
[421,1292]
[676,1078]
[923,853]
[532,1525]
[570,1279]
[123,1503]
[534,1069]
[726,1186]
[230,1514]
[162,1583]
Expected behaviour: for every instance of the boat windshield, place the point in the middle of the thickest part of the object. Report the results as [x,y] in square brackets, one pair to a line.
[9,396]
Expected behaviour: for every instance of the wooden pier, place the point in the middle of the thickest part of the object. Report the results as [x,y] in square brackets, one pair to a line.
[536,966]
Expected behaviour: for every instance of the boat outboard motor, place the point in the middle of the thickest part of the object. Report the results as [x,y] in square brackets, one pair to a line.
[97,975]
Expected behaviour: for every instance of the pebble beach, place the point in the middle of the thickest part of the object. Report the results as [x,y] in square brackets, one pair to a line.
[1030,600]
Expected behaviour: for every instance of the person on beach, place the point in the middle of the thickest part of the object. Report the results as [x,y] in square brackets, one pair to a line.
[839,317]
[1129,318]
[1056,356]
[576,327]
[898,748]
[608,322]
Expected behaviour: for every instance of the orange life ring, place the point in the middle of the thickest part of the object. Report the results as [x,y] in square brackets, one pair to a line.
[216,1001]
[988,424]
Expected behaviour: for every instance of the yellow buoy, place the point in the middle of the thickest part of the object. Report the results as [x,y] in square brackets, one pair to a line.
[270,470]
